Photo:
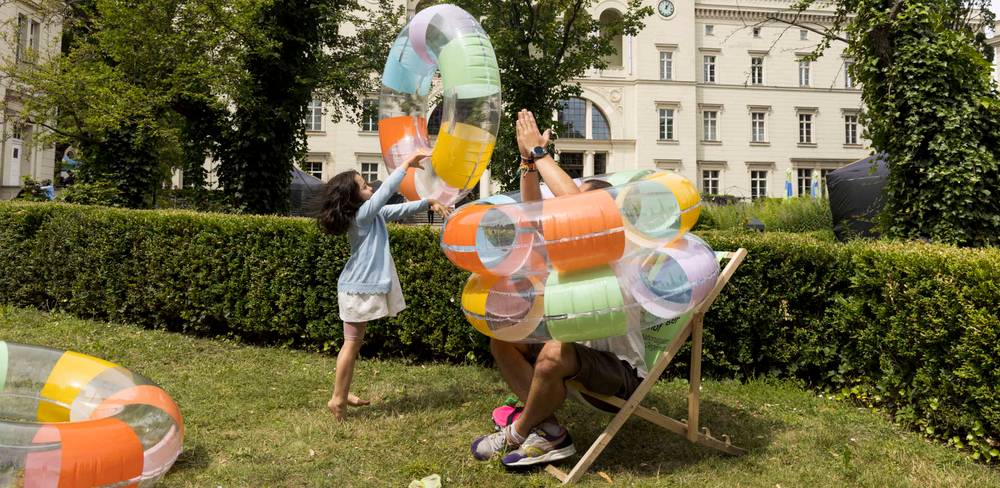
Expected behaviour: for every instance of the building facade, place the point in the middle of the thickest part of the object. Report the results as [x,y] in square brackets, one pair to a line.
[995,42]
[27,38]
[712,90]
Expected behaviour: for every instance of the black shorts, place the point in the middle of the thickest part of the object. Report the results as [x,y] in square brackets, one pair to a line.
[600,372]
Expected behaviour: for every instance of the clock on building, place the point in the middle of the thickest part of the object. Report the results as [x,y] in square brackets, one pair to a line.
[666,8]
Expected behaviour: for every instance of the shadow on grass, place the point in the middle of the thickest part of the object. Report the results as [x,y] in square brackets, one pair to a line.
[642,448]
[423,398]
[193,457]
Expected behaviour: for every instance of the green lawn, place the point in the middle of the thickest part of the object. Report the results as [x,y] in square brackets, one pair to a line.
[256,417]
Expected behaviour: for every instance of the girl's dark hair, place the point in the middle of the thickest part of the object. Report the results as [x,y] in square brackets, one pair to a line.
[337,204]
[597,184]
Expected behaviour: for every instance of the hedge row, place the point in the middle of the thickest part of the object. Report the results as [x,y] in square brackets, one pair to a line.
[913,328]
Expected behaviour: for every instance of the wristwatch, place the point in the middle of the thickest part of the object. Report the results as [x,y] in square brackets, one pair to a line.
[538,152]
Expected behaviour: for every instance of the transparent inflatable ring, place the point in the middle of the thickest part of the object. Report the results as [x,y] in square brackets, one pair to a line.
[445,38]
[73,420]
[583,266]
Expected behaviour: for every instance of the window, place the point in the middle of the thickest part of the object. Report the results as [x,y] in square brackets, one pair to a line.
[666,124]
[804,182]
[709,30]
[314,116]
[600,163]
[803,35]
[36,34]
[803,72]
[434,121]
[709,69]
[666,65]
[756,31]
[758,184]
[850,129]
[607,18]
[572,163]
[572,117]
[369,171]
[756,70]
[710,181]
[599,129]
[848,80]
[314,168]
[805,129]
[23,39]
[369,115]
[711,125]
[757,127]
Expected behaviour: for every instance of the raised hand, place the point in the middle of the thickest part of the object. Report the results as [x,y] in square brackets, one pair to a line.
[415,159]
[528,135]
[438,208]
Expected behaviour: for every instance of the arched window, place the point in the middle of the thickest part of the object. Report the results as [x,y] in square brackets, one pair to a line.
[573,115]
[599,127]
[608,17]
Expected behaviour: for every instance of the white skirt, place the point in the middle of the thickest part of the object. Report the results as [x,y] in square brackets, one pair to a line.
[357,308]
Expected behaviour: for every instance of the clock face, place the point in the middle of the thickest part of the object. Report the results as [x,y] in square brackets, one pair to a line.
[666,8]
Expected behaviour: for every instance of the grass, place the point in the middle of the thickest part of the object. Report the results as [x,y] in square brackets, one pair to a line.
[256,417]
[778,215]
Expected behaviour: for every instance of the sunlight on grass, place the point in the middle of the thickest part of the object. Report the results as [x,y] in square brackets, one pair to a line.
[256,417]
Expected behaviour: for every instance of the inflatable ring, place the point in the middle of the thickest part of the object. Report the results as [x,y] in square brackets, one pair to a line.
[584,266]
[82,421]
[445,38]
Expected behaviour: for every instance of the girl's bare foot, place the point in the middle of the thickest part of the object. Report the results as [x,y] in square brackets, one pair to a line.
[337,409]
[354,401]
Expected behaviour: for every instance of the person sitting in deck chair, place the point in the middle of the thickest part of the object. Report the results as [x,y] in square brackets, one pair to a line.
[537,373]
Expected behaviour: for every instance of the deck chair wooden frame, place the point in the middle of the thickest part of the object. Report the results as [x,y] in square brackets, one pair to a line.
[627,408]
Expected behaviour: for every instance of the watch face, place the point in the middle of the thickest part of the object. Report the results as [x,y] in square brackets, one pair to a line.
[666,8]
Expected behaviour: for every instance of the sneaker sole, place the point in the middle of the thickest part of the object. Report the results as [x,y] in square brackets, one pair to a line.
[547,458]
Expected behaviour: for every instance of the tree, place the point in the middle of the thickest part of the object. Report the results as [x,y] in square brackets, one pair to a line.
[145,86]
[924,69]
[541,48]
[297,52]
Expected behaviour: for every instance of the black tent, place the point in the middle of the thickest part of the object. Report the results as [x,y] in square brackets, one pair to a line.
[304,186]
[856,196]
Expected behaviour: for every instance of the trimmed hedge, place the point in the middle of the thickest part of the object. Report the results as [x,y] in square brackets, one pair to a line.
[265,279]
[912,328]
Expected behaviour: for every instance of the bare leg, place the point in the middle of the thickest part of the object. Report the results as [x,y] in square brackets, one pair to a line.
[514,368]
[556,362]
[342,398]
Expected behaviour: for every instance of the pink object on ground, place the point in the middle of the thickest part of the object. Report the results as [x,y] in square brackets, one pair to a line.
[505,415]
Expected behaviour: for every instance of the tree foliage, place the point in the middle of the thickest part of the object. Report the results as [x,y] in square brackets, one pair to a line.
[924,68]
[144,86]
[542,49]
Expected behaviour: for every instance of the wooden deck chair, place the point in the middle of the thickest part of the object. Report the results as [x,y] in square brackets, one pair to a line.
[661,346]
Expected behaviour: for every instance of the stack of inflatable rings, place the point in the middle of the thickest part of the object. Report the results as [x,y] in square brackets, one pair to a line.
[445,38]
[584,266]
[73,420]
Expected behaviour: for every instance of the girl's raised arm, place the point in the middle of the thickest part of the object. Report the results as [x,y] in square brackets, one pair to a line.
[371,208]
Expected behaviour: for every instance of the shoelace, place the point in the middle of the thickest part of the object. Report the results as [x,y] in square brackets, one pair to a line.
[498,440]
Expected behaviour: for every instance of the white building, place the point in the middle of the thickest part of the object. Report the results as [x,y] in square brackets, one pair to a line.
[995,42]
[710,89]
[26,38]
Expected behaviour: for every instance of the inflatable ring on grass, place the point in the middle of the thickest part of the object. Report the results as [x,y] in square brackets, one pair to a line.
[72,420]
[584,266]
[445,38]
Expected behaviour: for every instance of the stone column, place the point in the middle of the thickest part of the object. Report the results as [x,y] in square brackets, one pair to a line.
[588,164]
[485,182]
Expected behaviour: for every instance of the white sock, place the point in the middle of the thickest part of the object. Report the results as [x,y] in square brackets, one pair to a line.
[513,436]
